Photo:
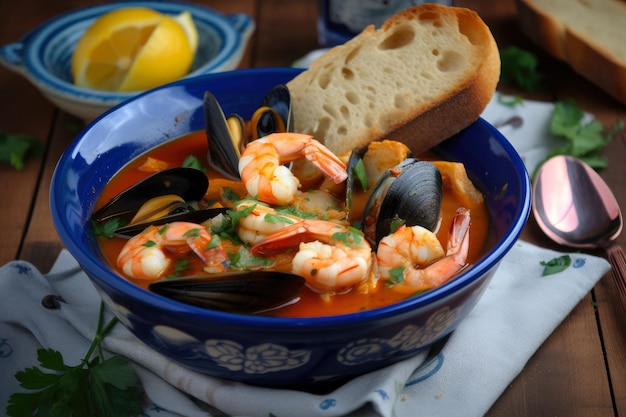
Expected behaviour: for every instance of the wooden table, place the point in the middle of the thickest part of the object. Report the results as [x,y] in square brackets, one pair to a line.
[581,368]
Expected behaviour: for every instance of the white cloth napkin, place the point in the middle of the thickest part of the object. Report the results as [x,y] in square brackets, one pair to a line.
[518,311]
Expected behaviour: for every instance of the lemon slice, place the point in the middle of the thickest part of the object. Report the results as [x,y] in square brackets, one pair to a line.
[133,49]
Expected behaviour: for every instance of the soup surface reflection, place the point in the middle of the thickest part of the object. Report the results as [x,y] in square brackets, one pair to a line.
[222,192]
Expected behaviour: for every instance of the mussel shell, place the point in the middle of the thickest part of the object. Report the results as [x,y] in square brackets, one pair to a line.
[236,292]
[195,216]
[279,99]
[223,155]
[266,121]
[189,183]
[409,193]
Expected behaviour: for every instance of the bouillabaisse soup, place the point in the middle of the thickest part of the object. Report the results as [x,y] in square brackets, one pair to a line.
[334,248]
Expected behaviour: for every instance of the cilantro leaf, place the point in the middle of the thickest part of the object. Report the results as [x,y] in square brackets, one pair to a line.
[15,149]
[556,265]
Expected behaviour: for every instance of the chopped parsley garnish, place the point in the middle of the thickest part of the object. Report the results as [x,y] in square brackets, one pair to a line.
[351,237]
[191,161]
[108,228]
[396,276]
[243,259]
[359,172]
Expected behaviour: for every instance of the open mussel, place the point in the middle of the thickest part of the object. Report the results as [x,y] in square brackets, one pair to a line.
[229,135]
[409,193]
[235,292]
[190,215]
[164,197]
[188,184]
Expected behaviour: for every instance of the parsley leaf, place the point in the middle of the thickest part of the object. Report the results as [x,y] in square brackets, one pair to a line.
[351,237]
[359,171]
[191,161]
[15,149]
[108,228]
[243,259]
[556,265]
[396,276]
[96,387]
[584,140]
[520,68]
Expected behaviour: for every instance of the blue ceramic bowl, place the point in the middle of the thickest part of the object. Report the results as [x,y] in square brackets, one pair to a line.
[268,350]
[44,54]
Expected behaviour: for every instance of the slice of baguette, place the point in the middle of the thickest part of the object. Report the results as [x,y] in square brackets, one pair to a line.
[587,34]
[426,74]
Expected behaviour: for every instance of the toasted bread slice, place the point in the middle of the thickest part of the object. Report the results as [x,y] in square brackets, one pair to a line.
[426,74]
[587,34]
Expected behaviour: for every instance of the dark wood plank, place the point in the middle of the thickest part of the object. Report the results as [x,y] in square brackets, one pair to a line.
[286,31]
[23,110]
[551,382]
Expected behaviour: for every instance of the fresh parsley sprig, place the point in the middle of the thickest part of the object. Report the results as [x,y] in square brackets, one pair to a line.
[520,68]
[585,140]
[97,387]
[15,149]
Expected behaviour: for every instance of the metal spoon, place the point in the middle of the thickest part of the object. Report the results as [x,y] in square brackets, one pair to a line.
[576,208]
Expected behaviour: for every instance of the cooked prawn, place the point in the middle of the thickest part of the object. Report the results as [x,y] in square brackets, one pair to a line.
[266,178]
[147,255]
[260,221]
[331,257]
[412,258]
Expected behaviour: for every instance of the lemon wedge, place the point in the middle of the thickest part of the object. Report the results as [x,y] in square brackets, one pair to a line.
[133,49]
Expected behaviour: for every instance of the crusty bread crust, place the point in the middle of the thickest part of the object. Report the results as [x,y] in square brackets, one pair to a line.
[588,35]
[425,75]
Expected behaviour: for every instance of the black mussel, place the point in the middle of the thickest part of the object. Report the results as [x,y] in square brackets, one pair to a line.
[223,154]
[279,100]
[189,215]
[265,121]
[187,183]
[228,136]
[244,292]
[410,193]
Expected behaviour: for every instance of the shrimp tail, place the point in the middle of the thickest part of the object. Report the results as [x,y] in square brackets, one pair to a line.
[290,237]
[325,161]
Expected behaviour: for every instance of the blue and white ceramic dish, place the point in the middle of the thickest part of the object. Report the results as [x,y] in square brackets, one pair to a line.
[268,350]
[44,54]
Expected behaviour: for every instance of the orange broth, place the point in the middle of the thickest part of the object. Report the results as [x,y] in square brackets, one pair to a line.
[311,303]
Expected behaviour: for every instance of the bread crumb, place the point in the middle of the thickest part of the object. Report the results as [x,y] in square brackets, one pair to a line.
[439,395]
[404,397]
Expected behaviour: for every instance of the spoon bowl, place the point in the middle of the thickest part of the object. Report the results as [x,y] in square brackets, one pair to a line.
[575,207]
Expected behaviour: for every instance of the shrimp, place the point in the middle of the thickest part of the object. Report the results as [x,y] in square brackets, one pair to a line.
[260,221]
[413,259]
[330,257]
[146,255]
[266,178]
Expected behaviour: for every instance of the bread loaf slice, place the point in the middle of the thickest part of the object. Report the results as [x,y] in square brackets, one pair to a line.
[587,34]
[426,74]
